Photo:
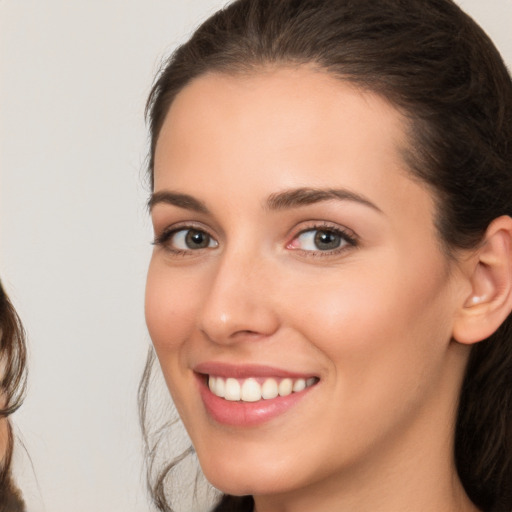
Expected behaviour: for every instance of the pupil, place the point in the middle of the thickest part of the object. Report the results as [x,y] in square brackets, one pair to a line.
[197,239]
[326,240]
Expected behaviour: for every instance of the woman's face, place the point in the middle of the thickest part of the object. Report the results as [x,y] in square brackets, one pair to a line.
[294,251]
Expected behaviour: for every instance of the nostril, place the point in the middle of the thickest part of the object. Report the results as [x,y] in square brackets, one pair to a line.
[246,332]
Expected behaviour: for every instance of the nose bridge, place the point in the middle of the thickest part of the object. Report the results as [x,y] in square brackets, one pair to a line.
[238,299]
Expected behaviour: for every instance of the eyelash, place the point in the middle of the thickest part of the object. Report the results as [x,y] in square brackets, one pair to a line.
[166,235]
[347,236]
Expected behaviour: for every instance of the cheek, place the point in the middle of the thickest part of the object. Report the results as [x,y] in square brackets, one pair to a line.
[383,341]
[170,305]
[170,318]
[344,304]
[373,319]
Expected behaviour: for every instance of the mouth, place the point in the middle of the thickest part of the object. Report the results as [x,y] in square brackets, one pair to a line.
[255,389]
[247,396]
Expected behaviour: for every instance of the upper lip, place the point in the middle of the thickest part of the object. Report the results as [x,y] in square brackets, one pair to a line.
[238,371]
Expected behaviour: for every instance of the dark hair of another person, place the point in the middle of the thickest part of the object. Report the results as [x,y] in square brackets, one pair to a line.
[443,73]
[12,388]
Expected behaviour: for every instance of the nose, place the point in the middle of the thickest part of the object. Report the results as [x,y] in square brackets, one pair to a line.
[239,304]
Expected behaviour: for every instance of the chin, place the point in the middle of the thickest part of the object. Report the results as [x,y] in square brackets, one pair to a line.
[250,485]
[248,478]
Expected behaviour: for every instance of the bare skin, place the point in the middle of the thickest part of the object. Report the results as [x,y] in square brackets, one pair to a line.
[4,432]
[372,316]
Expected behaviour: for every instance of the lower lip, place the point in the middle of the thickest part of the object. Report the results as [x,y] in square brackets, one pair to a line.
[246,414]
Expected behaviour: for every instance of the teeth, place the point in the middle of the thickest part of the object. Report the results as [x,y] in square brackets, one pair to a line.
[269,389]
[285,387]
[232,390]
[299,385]
[250,390]
[220,387]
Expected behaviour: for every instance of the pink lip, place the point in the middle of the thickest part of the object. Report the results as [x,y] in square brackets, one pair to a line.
[246,371]
[245,414]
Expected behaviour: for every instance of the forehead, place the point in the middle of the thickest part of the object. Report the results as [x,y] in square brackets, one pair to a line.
[289,127]
[284,108]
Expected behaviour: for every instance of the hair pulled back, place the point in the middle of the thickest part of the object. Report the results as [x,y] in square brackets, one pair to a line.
[440,69]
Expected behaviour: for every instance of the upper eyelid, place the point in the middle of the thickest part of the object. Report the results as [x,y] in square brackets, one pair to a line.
[320,225]
[183,225]
[326,227]
[163,221]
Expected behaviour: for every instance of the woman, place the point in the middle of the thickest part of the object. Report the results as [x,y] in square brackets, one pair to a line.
[330,291]
[13,357]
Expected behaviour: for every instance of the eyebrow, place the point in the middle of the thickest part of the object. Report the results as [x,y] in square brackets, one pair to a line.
[306,196]
[284,200]
[180,200]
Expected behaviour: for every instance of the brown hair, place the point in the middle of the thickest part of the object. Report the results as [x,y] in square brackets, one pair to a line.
[436,65]
[12,388]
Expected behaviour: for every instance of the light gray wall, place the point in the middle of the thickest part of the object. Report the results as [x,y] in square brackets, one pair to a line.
[75,234]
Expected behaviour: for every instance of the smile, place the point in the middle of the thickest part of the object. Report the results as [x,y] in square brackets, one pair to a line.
[246,396]
[255,389]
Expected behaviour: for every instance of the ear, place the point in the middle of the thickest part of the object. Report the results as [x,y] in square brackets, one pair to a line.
[489,271]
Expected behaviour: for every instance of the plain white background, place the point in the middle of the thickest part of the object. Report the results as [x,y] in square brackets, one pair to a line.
[75,235]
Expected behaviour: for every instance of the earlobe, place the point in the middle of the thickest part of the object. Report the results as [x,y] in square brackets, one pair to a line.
[490,275]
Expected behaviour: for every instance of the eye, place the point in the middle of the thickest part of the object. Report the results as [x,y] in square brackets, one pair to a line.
[185,240]
[191,239]
[322,239]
